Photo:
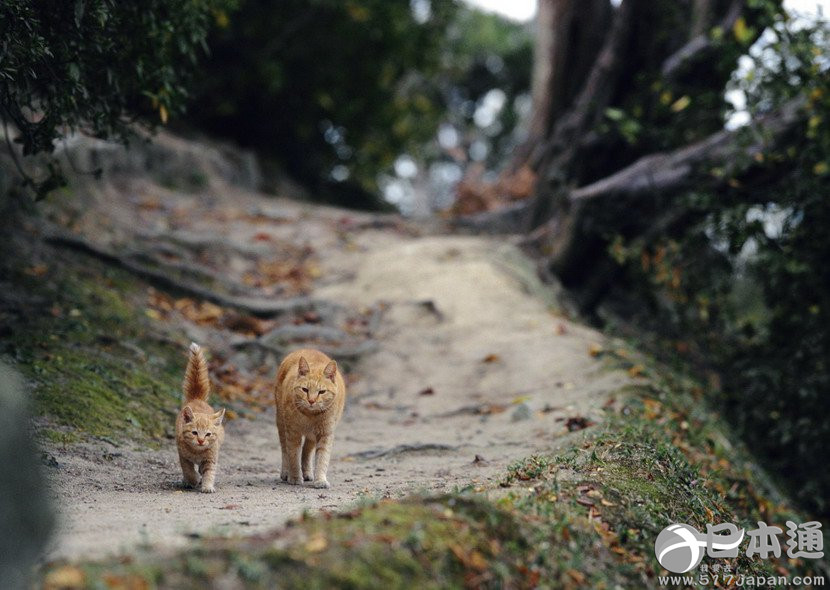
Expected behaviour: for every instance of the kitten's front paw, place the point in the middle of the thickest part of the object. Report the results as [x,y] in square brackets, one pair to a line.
[207,489]
[295,481]
[307,477]
[321,484]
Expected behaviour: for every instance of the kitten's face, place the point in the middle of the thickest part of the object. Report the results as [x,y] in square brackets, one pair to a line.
[314,395]
[200,431]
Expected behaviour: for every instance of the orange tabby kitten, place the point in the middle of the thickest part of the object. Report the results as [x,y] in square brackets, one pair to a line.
[310,396]
[199,431]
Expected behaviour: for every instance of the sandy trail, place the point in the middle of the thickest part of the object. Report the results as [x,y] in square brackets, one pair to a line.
[473,370]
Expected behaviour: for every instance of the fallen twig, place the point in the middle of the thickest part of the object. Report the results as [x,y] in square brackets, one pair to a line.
[401,449]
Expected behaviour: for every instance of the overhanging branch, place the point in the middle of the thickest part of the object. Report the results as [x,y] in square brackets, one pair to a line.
[670,170]
[701,43]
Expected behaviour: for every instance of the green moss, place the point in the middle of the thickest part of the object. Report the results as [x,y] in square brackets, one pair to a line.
[88,351]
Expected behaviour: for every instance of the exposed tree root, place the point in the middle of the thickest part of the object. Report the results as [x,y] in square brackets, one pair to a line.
[258,306]
[336,351]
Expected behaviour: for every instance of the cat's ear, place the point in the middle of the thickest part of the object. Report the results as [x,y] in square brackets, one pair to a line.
[188,414]
[218,417]
[303,368]
[330,371]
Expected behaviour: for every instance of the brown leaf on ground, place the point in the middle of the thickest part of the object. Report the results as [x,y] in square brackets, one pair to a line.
[125,582]
[575,575]
[577,423]
[491,358]
[427,391]
[66,577]
[316,544]
[37,270]
[474,194]
[653,408]
[595,349]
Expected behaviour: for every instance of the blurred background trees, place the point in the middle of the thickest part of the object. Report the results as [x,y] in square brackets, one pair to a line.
[336,93]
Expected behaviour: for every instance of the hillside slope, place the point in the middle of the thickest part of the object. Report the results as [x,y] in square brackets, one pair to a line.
[468,388]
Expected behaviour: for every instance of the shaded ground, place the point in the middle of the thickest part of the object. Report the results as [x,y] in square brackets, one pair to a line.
[457,360]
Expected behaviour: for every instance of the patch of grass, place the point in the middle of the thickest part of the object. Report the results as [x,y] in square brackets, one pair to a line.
[528,469]
[79,334]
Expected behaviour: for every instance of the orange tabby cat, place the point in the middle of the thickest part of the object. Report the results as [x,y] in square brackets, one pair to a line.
[310,396]
[199,431]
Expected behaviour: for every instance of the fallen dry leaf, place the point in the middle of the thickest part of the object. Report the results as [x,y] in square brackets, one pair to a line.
[491,358]
[576,576]
[577,423]
[316,544]
[125,582]
[595,349]
[37,270]
[66,577]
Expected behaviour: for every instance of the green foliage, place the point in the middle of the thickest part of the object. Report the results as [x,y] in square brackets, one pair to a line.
[95,65]
[742,281]
[330,89]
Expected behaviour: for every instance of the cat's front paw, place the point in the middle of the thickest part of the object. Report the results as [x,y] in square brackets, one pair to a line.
[295,481]
[307,476]
[207,489]
[321,484]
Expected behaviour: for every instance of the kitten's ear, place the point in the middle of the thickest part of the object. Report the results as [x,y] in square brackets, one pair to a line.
[303,368]
[218,417]
[188,414]
[330,370]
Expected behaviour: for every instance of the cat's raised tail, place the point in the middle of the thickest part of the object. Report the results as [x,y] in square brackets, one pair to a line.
[196,383]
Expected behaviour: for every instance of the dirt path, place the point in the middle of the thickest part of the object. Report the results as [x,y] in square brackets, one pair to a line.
[471,371]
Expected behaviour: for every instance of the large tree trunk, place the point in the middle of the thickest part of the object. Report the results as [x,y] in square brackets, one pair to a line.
[650,54]
[568,35]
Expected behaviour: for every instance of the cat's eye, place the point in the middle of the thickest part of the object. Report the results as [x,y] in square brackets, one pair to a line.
[321,392]
[194,432]
[207,434]
[305,389]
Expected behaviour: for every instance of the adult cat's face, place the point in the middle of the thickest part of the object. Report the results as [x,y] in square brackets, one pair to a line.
[314,395]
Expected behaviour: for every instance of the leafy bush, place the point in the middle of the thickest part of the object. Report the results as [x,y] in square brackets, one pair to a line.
[95,65]
[742,279]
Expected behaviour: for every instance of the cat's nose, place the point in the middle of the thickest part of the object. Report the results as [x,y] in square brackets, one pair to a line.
[311,402]
[201,441]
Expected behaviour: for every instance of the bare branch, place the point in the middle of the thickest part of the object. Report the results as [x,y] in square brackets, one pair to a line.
[700,43]
[670,170]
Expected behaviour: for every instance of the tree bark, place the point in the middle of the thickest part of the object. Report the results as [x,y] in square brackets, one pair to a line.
[662,173]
